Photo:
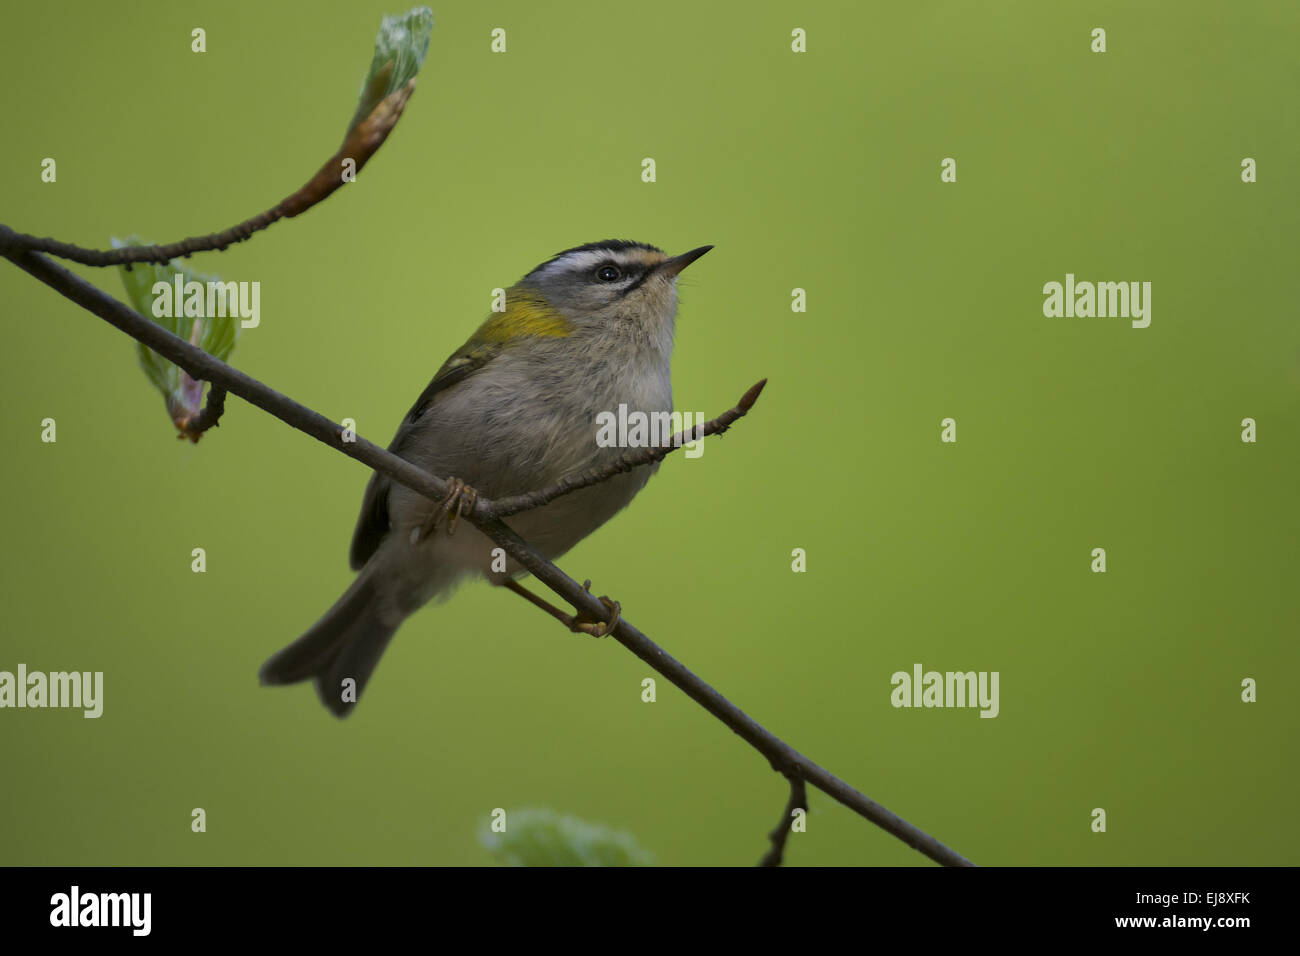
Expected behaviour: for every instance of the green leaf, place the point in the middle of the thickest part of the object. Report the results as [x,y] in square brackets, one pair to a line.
[400,49]
[542,837]
[216,335]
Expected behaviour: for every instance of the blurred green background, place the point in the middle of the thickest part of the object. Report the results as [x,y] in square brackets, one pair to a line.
[816,170]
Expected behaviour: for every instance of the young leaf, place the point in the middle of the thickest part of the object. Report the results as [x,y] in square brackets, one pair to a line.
[542,837]
[400,49]
[215,333]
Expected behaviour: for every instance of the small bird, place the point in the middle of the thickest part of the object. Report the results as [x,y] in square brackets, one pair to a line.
[513,410]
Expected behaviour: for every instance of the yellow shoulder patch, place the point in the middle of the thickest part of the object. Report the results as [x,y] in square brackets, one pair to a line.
[527,313]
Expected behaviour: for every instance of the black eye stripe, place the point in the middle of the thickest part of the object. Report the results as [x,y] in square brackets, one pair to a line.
[639,280]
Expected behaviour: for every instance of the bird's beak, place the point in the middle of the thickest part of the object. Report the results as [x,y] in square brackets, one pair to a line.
[670,267]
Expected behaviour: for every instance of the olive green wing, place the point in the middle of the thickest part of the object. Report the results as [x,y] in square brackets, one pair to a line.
[373,522]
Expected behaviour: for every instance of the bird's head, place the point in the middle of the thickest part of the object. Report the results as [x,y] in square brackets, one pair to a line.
[609,282]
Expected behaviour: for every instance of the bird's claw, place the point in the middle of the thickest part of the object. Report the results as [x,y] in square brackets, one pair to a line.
[583,623]
[460,500]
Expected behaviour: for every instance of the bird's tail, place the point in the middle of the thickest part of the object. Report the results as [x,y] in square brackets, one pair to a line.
[346,643]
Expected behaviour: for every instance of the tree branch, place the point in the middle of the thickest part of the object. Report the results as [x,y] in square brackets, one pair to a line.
[201,365]
[633,458]
[798,801]
[361,142]
[210,417]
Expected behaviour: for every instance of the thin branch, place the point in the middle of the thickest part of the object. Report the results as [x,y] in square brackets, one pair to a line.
[210,417]
[362,141]
[201,365]
[798,801]
[633,458]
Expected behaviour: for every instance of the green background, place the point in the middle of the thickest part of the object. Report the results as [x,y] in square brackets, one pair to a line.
[821,171]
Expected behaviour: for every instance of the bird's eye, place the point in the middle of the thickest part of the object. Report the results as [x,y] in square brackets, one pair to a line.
[608,274]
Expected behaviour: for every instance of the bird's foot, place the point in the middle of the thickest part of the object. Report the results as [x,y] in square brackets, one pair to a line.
[460,500]
[585,624]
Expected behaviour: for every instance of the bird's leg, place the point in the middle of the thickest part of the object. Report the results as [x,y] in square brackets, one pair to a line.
[579,623]
[535,601]
[460,499]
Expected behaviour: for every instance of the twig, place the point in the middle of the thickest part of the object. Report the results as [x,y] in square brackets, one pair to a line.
[210,417]
[361,143]
[633,458]
[798,801]
[201,365]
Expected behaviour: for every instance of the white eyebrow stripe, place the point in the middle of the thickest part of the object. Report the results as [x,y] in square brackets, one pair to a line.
[633,261]
[580,261]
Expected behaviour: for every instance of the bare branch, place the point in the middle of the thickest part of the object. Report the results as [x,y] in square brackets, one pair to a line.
[798,801]
[633,458]
[202,366]
[362,141]
[210,417]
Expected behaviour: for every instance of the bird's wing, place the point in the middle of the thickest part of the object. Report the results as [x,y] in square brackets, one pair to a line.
[373,523]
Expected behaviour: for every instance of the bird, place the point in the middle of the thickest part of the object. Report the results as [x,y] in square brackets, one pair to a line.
[513,410]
